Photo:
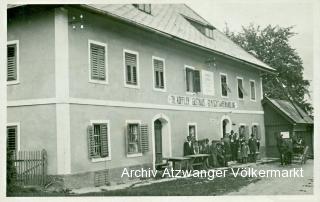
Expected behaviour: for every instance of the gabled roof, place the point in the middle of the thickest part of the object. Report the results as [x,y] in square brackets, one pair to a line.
[171,19]
[286,108]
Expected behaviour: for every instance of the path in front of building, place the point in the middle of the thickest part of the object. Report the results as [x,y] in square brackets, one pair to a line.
[281,186]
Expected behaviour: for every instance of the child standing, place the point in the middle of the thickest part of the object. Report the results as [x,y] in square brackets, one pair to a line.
[244,152]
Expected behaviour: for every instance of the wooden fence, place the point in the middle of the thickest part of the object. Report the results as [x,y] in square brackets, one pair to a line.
[31,167]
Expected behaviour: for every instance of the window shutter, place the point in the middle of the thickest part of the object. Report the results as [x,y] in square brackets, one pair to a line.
[11,62]
[91,152]
[104,140]
[161,80]
[196,81]
[246,132]
[188,72]
[243,91]
[12,138]
[126,137]
[158,68]
[97,55]
[129,79]
[131,64]
[144,138]
[157,84]
[258,132]
[134,75]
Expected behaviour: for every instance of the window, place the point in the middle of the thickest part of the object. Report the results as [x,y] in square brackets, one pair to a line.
[144,7]
[12,136]
[255,131]
[133,138]
[209,32]
[240,88]
[224,85]
[204,28]
[252,90]
[192,130]
[193,80]
[137,138]
[98,62]
[13,62]
[158,77]
[131,69]
[98,138]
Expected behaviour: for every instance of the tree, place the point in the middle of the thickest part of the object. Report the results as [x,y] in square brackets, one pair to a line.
[271,45]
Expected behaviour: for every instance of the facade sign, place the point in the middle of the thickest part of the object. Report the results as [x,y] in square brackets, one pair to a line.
[207,82]
[285,134]
[200,102]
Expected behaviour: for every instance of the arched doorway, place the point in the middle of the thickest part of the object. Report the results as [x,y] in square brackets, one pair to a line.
[226,125]
[161,138]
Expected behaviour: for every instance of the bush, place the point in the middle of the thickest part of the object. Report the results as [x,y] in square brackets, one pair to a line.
[11,172]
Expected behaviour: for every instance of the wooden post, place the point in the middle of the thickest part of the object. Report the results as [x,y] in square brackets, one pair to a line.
[44,166]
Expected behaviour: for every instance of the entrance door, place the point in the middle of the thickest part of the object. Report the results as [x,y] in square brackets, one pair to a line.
[224,127]
[158,140]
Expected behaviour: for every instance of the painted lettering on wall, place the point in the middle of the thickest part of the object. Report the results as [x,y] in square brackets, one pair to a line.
[207,82]
[200,102]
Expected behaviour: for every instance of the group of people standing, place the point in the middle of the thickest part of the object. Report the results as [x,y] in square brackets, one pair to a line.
[288,146]
[232,147]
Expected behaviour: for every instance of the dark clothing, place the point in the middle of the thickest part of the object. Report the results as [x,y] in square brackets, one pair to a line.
[253,148]
[221,155]
[213,156]
[205,149]
[252,145]
[188,149]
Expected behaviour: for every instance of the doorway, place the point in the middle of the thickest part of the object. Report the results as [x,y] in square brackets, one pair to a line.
[158,141]
[161,139]
[225,126]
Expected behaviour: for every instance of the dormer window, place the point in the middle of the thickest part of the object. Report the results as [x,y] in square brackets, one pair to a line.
[209,32]
[205,29]
[144,7]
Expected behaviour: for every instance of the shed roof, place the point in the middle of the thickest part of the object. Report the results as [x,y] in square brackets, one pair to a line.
[171,19]
[293,112]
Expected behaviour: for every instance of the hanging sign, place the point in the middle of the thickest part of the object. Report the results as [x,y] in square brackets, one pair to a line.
[200,102]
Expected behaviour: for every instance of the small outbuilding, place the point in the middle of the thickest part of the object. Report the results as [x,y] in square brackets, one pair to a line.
[286,118]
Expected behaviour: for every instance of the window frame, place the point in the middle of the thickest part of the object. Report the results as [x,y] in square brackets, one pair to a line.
[223,74]
[185,80]
[255,90]
[261,88]
[164,89]
[257,125]
[196,129]
[240,125]
[108,158]
[106,81]
[17,81]
[139,154]
[240,78]
[125,69]
[17,124]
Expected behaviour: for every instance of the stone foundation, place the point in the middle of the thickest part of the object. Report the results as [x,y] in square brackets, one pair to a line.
[92,179]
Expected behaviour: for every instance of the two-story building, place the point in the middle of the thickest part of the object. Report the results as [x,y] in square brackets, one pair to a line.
[107,87]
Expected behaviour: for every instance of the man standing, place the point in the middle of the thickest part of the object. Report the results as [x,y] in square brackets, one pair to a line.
[280,147]
[253,148]
[188,147]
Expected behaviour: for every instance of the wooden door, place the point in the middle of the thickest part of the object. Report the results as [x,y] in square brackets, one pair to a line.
[158,140]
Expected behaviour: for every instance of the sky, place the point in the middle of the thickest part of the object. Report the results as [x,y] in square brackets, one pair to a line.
[285,13]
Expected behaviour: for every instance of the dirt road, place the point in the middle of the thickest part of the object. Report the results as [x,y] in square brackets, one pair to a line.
[281,186]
